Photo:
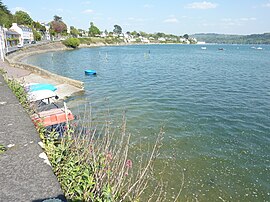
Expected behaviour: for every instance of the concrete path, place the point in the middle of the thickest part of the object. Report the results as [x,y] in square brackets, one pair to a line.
[23,174]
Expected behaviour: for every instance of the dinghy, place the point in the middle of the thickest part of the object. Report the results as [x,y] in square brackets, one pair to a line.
[41,95]
[40,86]
[90,72]
[52,117]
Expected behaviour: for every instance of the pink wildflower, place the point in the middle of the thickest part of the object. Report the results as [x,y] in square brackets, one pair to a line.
[129,163]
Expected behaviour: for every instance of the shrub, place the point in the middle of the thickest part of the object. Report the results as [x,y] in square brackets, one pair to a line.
[72,42]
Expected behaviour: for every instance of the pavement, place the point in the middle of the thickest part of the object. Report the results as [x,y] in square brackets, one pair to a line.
[24,175]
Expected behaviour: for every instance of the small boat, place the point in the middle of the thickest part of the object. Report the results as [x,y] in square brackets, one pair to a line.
[203,48]
[52,117]
[259,48]
[221,49]
[41,95]
[90,72]
[40,86]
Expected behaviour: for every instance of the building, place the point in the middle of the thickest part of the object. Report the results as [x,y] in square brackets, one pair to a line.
[46,35]
[12,38]
[2,43]
[26,34]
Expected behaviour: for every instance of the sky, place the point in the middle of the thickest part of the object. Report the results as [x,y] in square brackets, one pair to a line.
[171,16]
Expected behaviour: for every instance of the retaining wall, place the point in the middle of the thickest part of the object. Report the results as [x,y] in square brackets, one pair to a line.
[14,59]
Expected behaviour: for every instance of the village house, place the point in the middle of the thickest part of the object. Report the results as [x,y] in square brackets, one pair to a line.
[26,34]
[12,38]
[46,35]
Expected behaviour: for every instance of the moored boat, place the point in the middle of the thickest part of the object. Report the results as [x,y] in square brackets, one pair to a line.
[90,72]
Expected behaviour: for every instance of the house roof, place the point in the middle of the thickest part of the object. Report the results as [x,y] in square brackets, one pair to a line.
[12,32]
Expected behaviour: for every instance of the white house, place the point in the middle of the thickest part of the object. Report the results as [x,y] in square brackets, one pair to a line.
[26,33]
[2,43]
[47,33]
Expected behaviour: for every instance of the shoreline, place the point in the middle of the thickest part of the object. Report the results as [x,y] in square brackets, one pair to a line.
[25,73]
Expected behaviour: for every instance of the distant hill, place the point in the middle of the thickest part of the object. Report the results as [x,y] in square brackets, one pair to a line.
[233,39]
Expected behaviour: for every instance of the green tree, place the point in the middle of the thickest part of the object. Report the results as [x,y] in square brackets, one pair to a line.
[39,27]
[93,30]
[72,42]
[23,18]
[74,32]
[5,16]
[37,35]
[186,36]
[117,29]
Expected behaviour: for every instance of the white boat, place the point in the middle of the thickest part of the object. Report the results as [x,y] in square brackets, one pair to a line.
[42,95]
[203,48]
[259,48]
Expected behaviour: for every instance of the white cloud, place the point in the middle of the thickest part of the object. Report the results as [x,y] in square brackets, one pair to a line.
[13,10]
[147,6]
[201,5]
[171,20]
[247,19]
[87,11]
[267,5]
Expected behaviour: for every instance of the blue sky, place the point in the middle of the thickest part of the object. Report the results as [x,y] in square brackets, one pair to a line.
[170,16]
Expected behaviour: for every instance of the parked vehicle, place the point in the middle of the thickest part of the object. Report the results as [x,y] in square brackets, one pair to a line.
[20,45]
[33,42]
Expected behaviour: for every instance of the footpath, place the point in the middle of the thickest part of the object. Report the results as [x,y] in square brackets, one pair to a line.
[24,173]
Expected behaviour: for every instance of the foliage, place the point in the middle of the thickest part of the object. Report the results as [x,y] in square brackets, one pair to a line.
[98,40]
[93,30]
[95,166]
[57,26]
[20,93]
[57,18]
[117,29]
[23,18]
[74,32]
[72,42]
[234,39]
[186,36]
[37,35]
[6,16]
[39,27]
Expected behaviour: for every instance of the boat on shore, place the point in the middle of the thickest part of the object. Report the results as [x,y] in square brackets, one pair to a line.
[45,96]
[40,86]
[52,117]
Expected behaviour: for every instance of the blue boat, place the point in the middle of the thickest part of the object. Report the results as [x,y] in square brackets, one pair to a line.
[40,86]
[90,72]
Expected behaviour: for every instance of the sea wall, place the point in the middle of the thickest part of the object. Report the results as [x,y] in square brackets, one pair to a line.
[15,60]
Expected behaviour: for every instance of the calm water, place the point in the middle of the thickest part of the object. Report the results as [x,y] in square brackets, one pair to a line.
[214,106]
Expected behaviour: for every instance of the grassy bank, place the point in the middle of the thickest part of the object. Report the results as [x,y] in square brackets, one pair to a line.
[97,164]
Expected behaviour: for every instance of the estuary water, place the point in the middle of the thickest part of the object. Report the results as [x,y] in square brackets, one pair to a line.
[214,106]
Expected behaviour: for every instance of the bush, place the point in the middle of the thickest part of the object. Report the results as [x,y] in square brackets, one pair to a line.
[72,42]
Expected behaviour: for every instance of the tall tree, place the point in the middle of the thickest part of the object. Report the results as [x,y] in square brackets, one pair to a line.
[5,15]
[57,26]
[117,29]
[57,18]
[93,30]
[186,36]
[23,18]
[73,31]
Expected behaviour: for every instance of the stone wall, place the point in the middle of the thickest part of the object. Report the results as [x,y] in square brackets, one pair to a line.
[14,59]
